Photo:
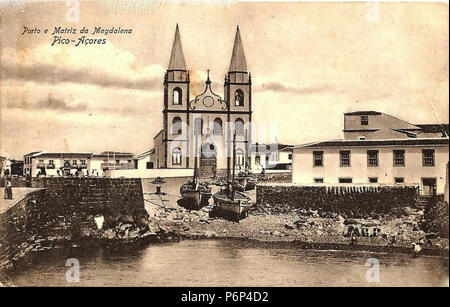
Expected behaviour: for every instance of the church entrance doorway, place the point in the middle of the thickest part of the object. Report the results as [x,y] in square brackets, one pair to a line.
[208,160]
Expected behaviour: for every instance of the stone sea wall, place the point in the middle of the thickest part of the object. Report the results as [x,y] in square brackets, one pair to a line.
[71,209]
[349,201]
[19,227]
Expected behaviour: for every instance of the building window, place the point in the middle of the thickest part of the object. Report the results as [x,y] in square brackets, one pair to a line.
[399,180]
[239,157]
[428,157]
[83,162]
[176,156]
[74,162]
[176,125]
[239,98]
[372,158]
[373,180]
[364,120]
[290,156]
[51,162]
[239,126]
[399,158]
[318,158]
[345,180]
[217,126]
[345,157]
[149,165]
[177,96]
[198,126]
[318,180]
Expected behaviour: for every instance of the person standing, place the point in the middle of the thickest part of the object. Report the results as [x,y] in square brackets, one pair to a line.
[8,188]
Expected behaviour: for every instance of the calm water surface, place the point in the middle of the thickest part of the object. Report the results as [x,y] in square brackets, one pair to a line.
[228,263]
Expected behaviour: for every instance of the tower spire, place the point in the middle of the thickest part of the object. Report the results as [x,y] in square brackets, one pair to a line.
[238,63]
[177,61]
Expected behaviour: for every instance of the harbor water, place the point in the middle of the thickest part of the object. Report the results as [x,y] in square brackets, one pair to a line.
[227,263]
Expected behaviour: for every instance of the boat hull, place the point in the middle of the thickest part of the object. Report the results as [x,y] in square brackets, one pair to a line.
[226,208]
[194,200]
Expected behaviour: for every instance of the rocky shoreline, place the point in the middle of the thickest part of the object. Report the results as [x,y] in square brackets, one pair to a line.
[306,231]
[285,225]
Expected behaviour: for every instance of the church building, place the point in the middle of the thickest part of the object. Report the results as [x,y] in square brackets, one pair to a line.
[202,127]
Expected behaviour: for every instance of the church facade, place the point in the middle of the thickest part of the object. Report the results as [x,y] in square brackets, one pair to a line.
[201,129]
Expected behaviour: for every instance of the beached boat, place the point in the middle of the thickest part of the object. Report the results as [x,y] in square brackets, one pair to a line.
[228,203]
[195,195]
[231,208]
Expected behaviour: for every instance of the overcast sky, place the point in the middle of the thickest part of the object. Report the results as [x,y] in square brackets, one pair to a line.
[310,63]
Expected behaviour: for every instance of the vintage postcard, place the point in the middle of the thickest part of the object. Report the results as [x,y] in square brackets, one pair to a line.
[224,144]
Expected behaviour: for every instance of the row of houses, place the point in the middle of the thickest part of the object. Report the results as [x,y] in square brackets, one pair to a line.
[376,149]
[54,164]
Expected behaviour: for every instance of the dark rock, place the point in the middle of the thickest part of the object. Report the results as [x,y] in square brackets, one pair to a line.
[287,226]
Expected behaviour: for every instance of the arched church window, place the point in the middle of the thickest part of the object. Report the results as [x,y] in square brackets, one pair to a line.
[239,157]
[239,126]
[176,156]
[198,126]
[177,96]
[239,98]
[176,125]
[217,126]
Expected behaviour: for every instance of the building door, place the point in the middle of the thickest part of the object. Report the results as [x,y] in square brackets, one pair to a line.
[66,168]
[429,186]
[208,160]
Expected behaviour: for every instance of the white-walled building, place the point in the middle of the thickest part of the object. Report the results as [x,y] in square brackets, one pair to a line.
[5,166]
[274,156]
[420,162]
[145,160]
[417,158]
[74,163]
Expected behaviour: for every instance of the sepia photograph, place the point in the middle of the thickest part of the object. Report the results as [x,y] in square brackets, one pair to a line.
[224,144]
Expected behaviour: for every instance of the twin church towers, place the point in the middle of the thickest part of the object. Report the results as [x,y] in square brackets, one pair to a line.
[202,127]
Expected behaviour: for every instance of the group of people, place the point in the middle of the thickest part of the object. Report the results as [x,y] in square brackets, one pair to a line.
[78,173]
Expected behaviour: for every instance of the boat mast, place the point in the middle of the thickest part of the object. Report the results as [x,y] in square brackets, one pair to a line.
[234,163]
[228,159]
[195,158]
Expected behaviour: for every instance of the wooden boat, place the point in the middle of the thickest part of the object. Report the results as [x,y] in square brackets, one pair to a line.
[231,208]
[195,194]
[228,203]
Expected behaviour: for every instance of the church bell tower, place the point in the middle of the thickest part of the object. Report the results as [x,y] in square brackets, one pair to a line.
[176,96]
[238,95]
